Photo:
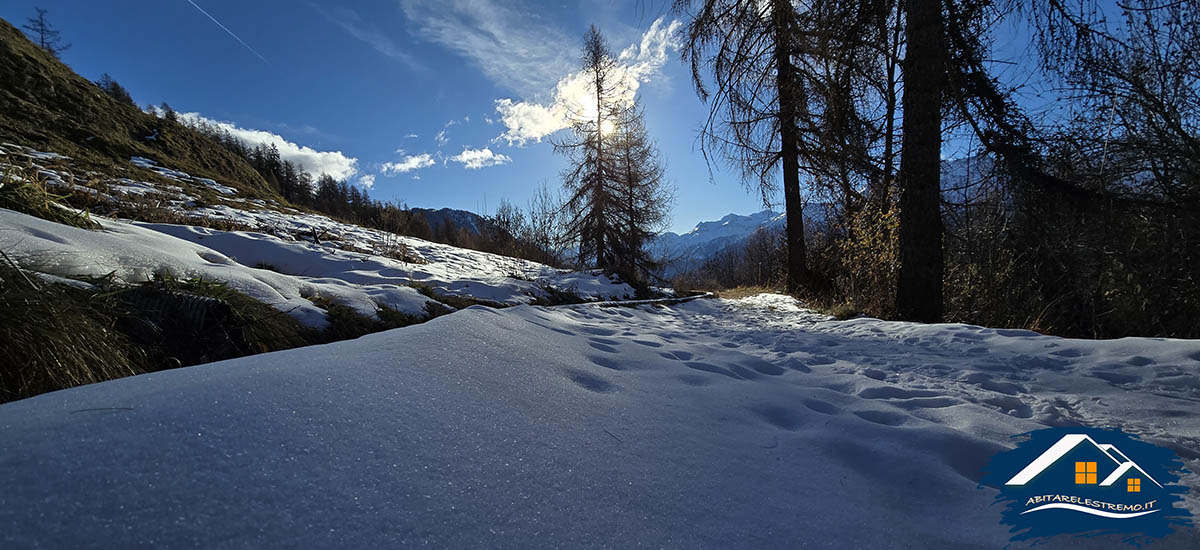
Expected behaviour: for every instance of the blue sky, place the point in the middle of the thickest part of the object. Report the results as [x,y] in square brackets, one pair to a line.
[378,81]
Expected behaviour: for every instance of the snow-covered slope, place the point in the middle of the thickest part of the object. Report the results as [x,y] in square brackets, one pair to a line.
[711,424]
[286,272]
[289,259]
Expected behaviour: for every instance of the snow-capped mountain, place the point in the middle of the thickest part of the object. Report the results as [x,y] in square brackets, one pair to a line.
[962,180]
[683,252]
[707,238]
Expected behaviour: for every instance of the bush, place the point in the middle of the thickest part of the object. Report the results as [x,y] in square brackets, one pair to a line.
[868,260]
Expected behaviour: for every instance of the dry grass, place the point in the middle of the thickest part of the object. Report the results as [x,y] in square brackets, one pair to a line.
[746,291]
[24,190]
[57,337]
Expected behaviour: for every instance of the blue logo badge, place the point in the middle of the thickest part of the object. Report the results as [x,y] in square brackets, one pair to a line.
[1087,482]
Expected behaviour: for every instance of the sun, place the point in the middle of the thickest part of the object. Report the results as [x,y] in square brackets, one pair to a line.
[607,128]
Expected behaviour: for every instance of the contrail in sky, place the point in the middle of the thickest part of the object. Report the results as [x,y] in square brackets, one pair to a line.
[226,29]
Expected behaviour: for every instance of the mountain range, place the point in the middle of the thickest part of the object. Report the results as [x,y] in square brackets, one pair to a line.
[682,252]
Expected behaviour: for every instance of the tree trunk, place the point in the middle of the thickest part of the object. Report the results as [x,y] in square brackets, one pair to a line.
[919,289]
[785,82]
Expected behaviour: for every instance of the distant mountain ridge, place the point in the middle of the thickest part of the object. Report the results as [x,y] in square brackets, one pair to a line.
[708,238]
[469,221]
[687,251]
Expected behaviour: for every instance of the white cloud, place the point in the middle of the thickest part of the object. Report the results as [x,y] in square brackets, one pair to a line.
[411,136]
[531,121]
[441,138]
[510,42]
[367,180]
[406,164]
[474,159]
[312,161]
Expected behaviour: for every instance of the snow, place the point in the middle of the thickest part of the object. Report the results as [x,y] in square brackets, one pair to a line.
[446,269]
[142,162]
[7,148]
[289,274]
[711,423]
[135,253]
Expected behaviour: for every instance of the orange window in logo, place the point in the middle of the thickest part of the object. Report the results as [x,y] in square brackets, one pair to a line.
[1133,485]
[1085,473]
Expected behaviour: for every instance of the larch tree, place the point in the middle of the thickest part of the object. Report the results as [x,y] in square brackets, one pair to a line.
[590,202]
[754,100]
[44,34]
[617,196]
[919,284]
[643,197]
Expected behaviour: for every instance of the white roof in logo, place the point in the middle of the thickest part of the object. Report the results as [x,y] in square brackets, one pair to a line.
[1066,445]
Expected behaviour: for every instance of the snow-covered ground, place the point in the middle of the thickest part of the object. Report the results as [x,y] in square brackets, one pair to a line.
[714,423]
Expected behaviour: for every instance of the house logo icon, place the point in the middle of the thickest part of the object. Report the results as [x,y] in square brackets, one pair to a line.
[1088,482]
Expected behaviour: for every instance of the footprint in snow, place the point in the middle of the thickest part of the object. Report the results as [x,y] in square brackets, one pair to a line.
[893,392]
[694,379]
[602,347]
[886,418]
[711,368]
[762,367]
[795,364]
[874,374]
[607,363]
[591,382]
[1006,388]
[1115,377]
[939,402]
[555,329]
[780,417]
[598,331]
[1009,405]
[821,406]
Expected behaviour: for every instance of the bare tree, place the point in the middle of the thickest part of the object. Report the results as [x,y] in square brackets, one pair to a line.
[43,33]
[545,215]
